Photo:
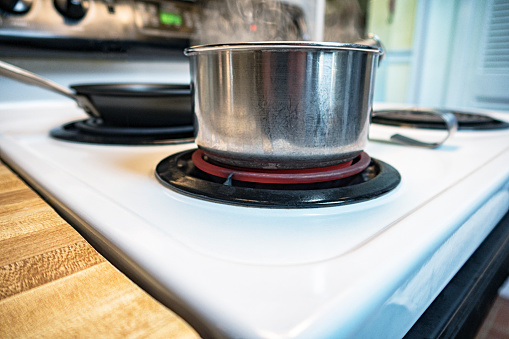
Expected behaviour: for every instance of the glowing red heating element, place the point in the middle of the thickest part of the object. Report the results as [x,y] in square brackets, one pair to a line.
[293,176]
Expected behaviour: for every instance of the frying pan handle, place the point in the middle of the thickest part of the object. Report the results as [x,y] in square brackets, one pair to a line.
[29,78]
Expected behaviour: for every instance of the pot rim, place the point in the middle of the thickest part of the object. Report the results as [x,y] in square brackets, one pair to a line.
[279,46]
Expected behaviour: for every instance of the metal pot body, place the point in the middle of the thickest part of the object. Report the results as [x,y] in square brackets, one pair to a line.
[282,105]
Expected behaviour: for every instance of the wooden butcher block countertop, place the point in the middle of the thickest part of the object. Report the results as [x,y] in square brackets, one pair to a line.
[53,284]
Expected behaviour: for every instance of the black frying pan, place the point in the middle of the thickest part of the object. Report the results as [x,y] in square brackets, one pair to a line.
[140,105]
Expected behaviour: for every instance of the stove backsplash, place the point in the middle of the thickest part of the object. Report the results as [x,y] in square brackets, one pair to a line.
[95,41]
[98,25]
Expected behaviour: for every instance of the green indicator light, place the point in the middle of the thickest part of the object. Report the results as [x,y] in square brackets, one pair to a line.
[167,18]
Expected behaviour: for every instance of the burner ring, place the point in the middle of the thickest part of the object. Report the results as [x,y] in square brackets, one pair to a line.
[179,173]
[96,126]
[295,176]
[93,131]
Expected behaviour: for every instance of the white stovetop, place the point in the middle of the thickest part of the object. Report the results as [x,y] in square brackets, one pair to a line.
[362,270]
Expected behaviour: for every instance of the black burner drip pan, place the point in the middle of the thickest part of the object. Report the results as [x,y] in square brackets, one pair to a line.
[424,119]
[178,173]
[94,131]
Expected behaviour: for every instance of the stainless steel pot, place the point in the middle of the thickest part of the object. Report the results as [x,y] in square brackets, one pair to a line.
[282,105]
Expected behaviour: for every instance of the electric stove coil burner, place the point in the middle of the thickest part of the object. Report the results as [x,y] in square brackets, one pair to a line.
[278,176]
[179,173]
[422,118]
[94,131]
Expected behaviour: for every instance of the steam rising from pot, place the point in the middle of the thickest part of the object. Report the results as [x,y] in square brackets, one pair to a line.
[345,20]
[229,21]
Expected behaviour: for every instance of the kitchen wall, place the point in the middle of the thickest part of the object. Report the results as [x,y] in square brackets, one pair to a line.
[394,21]
[473,42]
[443,53]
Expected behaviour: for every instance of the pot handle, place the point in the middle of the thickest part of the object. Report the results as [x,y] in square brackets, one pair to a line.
[450,121]
[29,78]
[374,41]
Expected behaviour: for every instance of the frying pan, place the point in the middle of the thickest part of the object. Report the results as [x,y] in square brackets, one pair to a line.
[131,104]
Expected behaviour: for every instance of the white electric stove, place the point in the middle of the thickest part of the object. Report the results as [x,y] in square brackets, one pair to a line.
[367,269]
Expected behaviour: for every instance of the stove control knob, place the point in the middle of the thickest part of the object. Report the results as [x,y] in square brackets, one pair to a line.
[16,6]
[72,9]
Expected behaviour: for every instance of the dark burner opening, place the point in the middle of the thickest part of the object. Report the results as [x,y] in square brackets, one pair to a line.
[178,173]
[94,131]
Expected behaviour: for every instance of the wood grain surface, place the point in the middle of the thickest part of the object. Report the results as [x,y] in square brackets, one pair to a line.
[53,284]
